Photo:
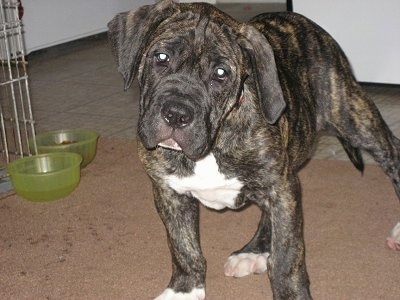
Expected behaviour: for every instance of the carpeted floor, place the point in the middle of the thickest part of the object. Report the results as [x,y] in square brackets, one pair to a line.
[105,240]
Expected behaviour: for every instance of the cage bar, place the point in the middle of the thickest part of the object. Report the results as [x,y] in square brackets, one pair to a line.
[17,126]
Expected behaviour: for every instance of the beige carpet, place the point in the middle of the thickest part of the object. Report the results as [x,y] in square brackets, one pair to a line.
[105,240]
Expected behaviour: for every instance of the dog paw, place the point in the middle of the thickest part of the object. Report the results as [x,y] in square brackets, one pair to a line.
[170,294]
[393,241]
[243,264]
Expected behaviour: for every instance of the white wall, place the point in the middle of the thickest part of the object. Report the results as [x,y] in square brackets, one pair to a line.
[51,22]
[251,1]
[367,30]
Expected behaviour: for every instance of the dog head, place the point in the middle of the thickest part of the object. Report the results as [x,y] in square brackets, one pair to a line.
[193,63]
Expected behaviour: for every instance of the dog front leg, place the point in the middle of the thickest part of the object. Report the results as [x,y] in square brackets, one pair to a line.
[252,258]
[180,215]
[286,263]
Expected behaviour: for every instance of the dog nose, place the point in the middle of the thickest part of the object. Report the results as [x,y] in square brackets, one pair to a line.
[177,115]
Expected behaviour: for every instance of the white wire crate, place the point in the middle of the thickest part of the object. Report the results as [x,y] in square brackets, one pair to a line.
[17,126]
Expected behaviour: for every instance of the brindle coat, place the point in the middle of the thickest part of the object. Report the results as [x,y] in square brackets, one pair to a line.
[254,96]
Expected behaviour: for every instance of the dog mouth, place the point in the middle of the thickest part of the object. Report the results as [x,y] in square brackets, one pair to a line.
[190,140]
[170,143]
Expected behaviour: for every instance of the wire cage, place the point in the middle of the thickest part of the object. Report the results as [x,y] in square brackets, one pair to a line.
[17,127]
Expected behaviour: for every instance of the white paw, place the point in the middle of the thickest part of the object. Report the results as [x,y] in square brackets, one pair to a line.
[243,264]
[195,294]
[393,241]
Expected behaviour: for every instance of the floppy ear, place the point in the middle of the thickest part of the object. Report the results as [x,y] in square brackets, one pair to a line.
[129,33]
[262,62]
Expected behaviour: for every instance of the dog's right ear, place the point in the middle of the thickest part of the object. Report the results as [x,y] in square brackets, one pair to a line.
[129,33]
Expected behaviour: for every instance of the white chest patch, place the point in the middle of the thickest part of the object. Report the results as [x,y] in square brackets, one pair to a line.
[208,185]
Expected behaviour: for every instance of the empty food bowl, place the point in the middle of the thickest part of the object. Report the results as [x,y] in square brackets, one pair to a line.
[45,177]
[79,140]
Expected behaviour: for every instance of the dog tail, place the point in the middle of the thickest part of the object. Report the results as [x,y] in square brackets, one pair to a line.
[353,153]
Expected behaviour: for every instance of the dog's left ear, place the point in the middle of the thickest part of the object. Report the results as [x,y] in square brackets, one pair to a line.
[262,62]
[130,31]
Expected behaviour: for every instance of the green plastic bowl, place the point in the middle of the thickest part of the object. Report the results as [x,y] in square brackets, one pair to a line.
[45,177]
[81,141]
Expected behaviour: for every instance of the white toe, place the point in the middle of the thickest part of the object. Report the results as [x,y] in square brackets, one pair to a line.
[244,264]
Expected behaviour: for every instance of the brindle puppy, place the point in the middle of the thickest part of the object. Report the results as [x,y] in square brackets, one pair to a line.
[229,113]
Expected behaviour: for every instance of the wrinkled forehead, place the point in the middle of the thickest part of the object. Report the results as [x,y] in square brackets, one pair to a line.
[200,32]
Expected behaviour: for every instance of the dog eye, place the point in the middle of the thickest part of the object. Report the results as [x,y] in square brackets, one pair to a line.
[220,74]
[162,58]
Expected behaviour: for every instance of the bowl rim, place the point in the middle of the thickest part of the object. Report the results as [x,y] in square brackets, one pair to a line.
[94,135]
[93,132]
[11,166]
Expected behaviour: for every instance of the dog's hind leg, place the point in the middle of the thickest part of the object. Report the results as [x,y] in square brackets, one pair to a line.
[358,122]
[252,258]
[393,241]
[359,125]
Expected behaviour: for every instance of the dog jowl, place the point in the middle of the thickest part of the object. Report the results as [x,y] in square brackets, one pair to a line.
[229,113]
